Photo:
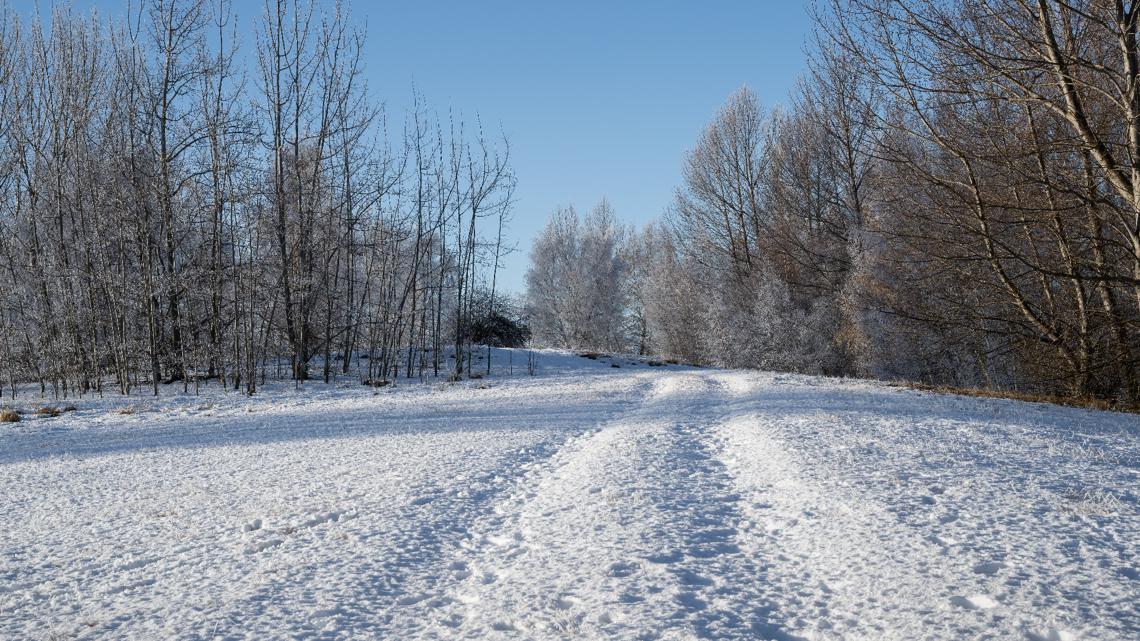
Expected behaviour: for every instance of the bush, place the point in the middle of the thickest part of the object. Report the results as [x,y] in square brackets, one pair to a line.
[1086,402]
[49,411]
[498,330]
[8,415]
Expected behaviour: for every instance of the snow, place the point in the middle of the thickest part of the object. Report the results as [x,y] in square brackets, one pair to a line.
[588,501]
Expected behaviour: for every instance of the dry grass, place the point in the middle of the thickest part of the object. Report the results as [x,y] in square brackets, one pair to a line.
[126,410]
[1068,401]
[8,415]
[48,410]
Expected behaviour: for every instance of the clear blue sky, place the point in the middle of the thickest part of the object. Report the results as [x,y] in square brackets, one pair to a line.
[598,98]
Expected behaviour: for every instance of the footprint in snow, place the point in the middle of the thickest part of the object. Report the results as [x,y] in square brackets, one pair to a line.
[622,570]
[321,519]
[127,587]
[975,602]
[504,541]
[690,602]
[1052,635]
[324,613]
[989,568]
[452,621]
[690,578]
[411,599]
[566,602]
[264,544]
[665,557]
[135,564]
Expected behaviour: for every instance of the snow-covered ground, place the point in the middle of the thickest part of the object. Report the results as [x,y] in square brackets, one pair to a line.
[588,502]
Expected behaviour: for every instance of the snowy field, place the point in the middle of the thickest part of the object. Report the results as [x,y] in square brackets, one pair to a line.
[586,502]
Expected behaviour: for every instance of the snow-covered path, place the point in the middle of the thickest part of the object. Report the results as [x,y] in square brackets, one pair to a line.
[629,531]
[588,502]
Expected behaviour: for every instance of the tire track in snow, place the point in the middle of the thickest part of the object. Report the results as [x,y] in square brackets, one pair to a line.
[864,537]
[629,522]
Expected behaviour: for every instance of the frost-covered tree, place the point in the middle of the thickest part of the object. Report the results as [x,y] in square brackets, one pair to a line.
[173,212]
[673,303]
[762,230]
[577,284]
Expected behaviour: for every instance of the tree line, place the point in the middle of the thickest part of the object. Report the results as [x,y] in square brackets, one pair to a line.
[951,196]
[177,208]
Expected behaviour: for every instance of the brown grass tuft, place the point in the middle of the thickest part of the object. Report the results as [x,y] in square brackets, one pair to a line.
[49,411]
[1029,397]
[8,415]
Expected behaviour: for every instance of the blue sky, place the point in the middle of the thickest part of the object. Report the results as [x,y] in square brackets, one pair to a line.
[598,98]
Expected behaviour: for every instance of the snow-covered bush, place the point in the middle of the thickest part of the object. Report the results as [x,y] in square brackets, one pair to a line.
[757,325]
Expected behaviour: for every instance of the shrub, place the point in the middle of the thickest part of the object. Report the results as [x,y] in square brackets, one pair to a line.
[49,411]
[8,415]
[499,330]
[1086,402]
